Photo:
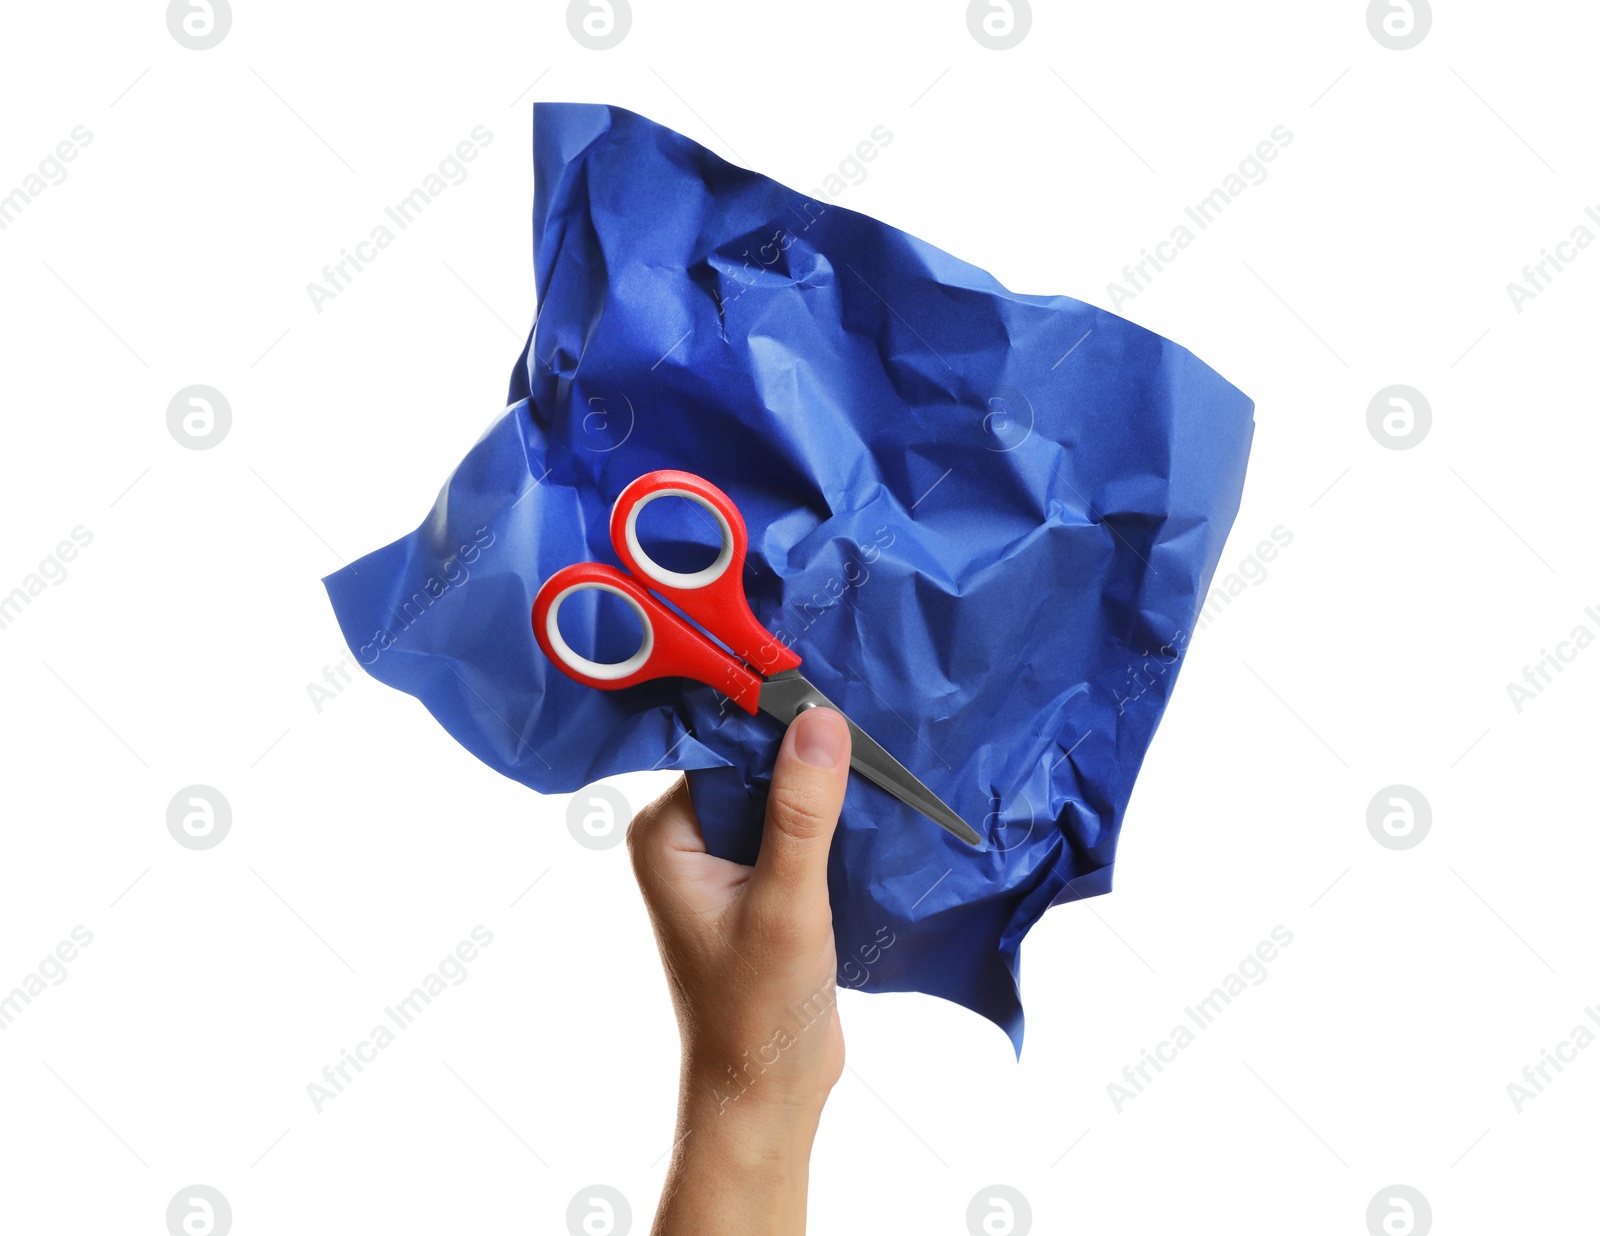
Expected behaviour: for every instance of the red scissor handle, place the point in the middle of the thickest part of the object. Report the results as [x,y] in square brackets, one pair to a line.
[671,648]
[714,597]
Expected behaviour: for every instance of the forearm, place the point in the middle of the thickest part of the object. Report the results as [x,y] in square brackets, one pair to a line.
[750,959]
[739,1164]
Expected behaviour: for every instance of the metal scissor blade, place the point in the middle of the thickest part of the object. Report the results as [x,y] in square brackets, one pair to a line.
[785,696]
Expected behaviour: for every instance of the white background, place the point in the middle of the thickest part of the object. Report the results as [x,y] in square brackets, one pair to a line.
[365,844]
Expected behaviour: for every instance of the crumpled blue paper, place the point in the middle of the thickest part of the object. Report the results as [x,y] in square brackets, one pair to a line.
[985,520]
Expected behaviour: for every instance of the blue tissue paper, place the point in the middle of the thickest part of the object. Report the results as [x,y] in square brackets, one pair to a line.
[985,521]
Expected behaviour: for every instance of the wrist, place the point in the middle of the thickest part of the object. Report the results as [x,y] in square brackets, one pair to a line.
[739,1163]
[765,1106]
[775,1092]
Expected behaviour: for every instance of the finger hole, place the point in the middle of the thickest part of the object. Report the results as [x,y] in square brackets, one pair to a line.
[679,539]
[600,631]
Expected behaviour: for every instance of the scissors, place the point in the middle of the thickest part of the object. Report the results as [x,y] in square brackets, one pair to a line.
[761,674]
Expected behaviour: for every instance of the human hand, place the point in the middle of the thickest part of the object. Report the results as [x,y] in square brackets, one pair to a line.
[749,957]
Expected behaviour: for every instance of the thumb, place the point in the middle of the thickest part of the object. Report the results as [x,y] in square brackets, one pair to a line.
[808,783]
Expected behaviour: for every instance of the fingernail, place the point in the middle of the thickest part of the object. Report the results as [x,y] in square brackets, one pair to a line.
[819,737]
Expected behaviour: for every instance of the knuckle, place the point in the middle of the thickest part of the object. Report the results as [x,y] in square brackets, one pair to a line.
[633,837]
[646,825]
[638,829]
[641,835]
[799,810]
